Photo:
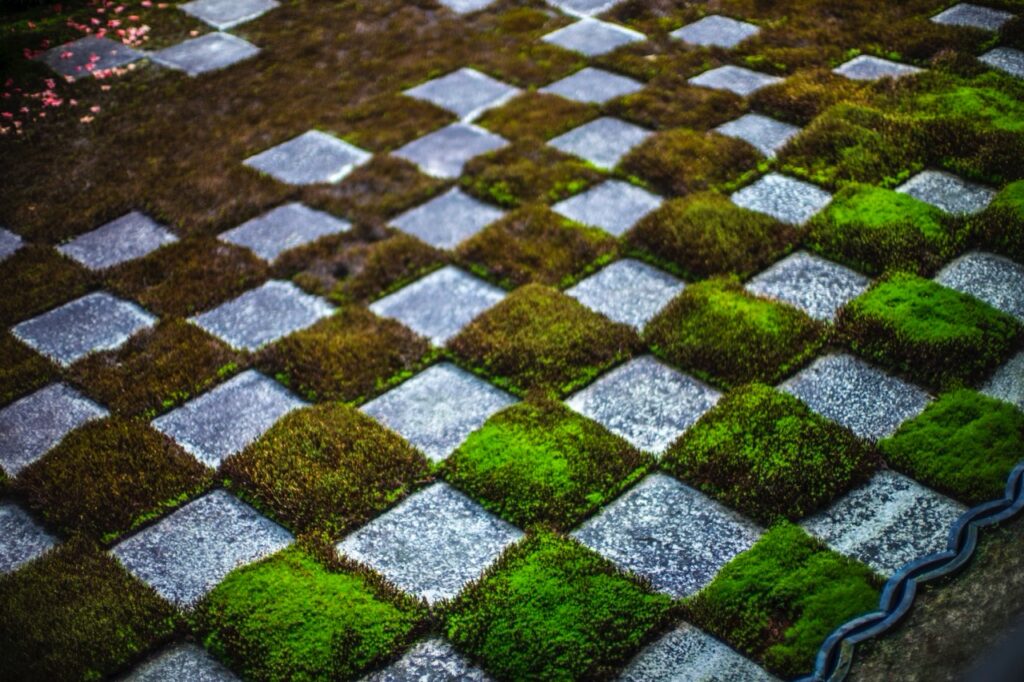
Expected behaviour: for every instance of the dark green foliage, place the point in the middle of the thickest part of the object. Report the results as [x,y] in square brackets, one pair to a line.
[682,161]
[1000,227]
[22,370]
[36,279]
[670,102]
[525,172]
[535,115]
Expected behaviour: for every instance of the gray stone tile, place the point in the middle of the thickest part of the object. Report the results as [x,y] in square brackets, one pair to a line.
[431,544]
[627,291]
[614,206]
[446,221]
[431,660]
[887,523]
[592,37]
[817,286]
[994,279]
[646,402]
[310,158]
[602,142]
[767,135]
[87,55]
[716,31]
[94,322]
[948,192]
[443,153]
[784,198]
[186,554]
[1007,383]
[208,52]
[181,663]
[584,8]
[129,237]
[439,305]
[868,68]
[467,93]
[465,6]
[973,16]
[688,653]
[437,409]
[21,538]
[283,228]
[9,243]
[224,14]
[594,86]
[735,79]
[668,533]
[263,315]
[1006,59]
[31,426]
[862,398]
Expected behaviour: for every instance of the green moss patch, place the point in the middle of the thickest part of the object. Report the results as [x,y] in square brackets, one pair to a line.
[670,102]
[23,370]
[683,161]
[36,279]
[1000,227]
[535,115]
[806,94]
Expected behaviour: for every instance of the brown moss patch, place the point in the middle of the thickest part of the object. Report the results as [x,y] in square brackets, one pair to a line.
[388,121]
[671,102]
[37,278]
[22,370]
[806,94]
[683,161]
[371,271]
[537,115]
[509,48]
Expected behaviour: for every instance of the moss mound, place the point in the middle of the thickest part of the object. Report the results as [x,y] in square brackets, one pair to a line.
[534,115]
[670,102]
[23,370]
[388,121]
[45,279]
[527,171]
[369,272]
[683,161]
[1000,227]
[805,95]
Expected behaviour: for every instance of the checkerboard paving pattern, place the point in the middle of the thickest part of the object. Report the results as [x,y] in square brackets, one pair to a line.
[592,38]
[182,662]
[948,192]
[1006,59]
[783,198]
[762,132]
[129,237]
[603,142]
[627,291]
[594,86]
[312,157]
[209,52]
[225,14]
[973,16]
[1007,383]
[283,228]
[994,279]
[431,660]
[21,538]
[687,653]
[467,93]
[614,206]
[443,153]
[869,68]
[447,220]
[716,31]
[735,79]
[817,286]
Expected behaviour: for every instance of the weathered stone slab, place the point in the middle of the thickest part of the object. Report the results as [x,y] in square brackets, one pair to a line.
[225,14]
[467,93]
[431,660]
[283,228]
[784,198]
[584,8]
[9,243]
[766,134]
[181,662]
[1006,59]
[1007,383]
[994,279]
[627,291]
[614,206]
[310,158]
[602,142]
[867,68]
[85,56]
[591,37]
[208,52]
[21,538]
[948,192]
[687,653]
[973,16]
[736,79]
[716,31]
[817,286]
[590,85]
[444,153]
[129,237]
[447,220]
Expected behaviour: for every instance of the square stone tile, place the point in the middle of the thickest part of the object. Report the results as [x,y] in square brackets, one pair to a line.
[817,286]
[766,134]
[431,660]
[592,37]
[465,6]
[862,398]
[887,522]
[467,93]
[437,409]
[1005,59]
[736,79]
[94,322]
[716,31]
[783,198]
[446,221]
[688,653]
[668,533]
[431,544]
[602,142]
[185,555]
[973,16]
[439,305]
[1007,383]
[224,14]
[948,192]
[31,426]
[181,662]
[443,153]
[21,538]
[868,68]
[263,315]
[627,291]
[129,237]
[646,402]
[283,228]
[310,158]
[223,421]
[614,206]
[590,85]
[87,55]
[208,52]
[994,279]
[584,8]
[9,243]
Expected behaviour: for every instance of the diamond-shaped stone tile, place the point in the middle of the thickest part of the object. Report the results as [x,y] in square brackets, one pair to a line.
[263,315]
[614,206]
[185,555]
[21,538]
[817,286]
[584,8]
[437,409]
[862,398]
[431,660]
[221,422]
[627,291]
[716,31]
[1007,383]
[868,68]
[129,237]
[593,86]
[181,662]
[1005,59]
[224,14]
[208,52]
[591,37]
[765,134]
[310,158]
[784,198]
[446,221]
[94,322]
[467,93]
[736,79]
[9,243]
[687,653]
[465,6]
[887,523]
[973,16]
[85,56]
[602,142]
[948,192]
[431,544]
[994,279]
[647,403]
[439,305]
[284,228]
[668,533]
[443,153]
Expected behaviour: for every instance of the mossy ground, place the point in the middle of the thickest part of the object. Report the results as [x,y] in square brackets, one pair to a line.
[45,280]
[23,370]
[681,161]
[535,115]
[1000,227]
[670,102]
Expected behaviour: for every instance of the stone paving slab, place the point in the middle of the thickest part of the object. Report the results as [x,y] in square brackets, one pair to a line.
[283,228]
[444,153]
[994,279]
[263,315]
[973,16]
[594,86]
[431,544]
[668,533]
[208,52]
[437,409]
[446,221]
[186,554]
[467,93]
[627,291]
[766,134]
[890,521]
[690,654]
[225,14]
[439,305]
[785,199]
[87,55]
[736,79]
[715,30]
[868,68]
[603,142]
[21,538]
[465,6]
[94,322]
[948,192]
[431,660]
[1007,382]
[223,421]
[9,243]
[1006,59]
[817,286]
[584,8]
[129,237]
[591,37]
[312,157]
[181,663]
[614,206]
